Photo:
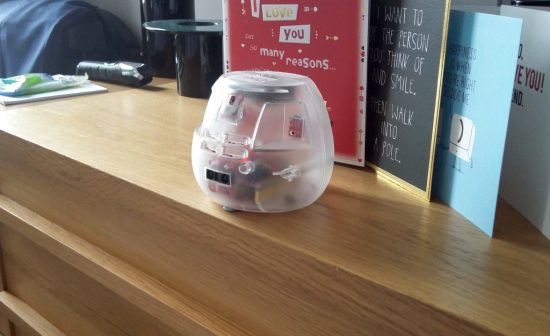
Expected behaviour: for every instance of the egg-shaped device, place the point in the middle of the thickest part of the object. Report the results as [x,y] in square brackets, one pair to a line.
[265,143]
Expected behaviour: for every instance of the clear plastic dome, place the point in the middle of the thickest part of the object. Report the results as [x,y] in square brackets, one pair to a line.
[265,143]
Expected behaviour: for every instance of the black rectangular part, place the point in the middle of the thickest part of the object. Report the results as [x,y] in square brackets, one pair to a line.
[215,176]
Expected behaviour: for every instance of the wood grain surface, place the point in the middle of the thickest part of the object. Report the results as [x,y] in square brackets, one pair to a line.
[113,171]
[27,321]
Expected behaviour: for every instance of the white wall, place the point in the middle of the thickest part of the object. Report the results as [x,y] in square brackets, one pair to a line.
[129,11]
[208,9]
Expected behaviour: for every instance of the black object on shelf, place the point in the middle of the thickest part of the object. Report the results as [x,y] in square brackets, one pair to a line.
[124,73]
[158,49]
[198,53]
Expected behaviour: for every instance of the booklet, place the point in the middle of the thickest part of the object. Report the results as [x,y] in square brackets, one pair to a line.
[86,88]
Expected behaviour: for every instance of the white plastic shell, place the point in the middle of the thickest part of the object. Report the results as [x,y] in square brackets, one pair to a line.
[265,143]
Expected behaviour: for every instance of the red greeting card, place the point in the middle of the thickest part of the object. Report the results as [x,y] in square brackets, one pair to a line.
[325,40]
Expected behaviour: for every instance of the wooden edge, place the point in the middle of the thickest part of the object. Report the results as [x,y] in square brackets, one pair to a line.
[26,317]
[2,270]
[45,234]
[415,191]
[138,288]
[6,327]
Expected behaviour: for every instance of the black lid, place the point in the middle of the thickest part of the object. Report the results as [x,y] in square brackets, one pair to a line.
[185,26]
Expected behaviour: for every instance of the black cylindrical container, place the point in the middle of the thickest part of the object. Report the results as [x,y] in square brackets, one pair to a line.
[158,50]
[198,53]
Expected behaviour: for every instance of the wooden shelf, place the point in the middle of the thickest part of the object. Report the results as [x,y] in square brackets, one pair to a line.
[113,171]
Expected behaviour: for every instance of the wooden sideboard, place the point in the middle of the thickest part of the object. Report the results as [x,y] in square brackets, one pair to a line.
[104,231]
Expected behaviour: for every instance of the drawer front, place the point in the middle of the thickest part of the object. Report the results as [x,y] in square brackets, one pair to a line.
[5,328]
[70,300]
[22,319]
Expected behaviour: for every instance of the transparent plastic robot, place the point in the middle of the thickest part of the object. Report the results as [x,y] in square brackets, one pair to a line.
[265,143]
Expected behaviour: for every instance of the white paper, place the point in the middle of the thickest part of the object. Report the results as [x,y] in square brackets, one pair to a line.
[86,88]
[525,182]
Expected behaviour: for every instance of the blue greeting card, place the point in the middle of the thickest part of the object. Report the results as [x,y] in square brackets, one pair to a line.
[477,89]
